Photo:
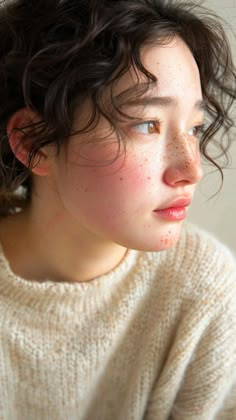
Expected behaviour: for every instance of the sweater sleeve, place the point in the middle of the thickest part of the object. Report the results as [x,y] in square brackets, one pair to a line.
[208,390]
[206,372]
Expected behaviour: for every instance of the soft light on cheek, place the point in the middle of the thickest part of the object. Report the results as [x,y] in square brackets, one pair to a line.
[121,174]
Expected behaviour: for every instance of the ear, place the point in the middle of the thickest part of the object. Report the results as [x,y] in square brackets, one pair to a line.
[20,148]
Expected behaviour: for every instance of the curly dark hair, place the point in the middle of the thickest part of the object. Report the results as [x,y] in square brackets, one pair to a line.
[55,54]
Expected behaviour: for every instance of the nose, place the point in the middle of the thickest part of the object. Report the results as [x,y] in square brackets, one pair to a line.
[183,161]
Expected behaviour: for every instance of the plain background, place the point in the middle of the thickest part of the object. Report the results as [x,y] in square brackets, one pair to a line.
[218,215]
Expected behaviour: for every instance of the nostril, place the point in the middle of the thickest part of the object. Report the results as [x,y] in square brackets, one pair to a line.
[183,171]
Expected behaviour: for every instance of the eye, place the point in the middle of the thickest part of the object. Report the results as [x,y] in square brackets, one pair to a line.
[197,129]
[148,127]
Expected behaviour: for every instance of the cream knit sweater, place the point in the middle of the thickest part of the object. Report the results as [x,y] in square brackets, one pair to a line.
[154,339]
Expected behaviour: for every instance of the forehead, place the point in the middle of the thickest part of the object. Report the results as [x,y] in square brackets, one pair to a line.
[174,67]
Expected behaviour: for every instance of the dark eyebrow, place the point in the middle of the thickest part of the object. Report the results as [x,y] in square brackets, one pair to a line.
[162,101]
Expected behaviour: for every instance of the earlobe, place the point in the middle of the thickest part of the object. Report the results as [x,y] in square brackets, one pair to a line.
[21,149]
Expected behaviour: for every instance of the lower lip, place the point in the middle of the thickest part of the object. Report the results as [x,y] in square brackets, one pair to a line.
[172,213]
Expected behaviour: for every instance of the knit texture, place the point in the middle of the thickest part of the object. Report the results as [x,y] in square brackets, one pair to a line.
[153,339]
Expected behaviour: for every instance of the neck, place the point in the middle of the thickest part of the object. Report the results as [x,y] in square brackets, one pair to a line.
[41,243]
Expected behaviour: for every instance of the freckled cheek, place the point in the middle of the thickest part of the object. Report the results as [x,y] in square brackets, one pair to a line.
[115,178]
[129,173]
[110,192]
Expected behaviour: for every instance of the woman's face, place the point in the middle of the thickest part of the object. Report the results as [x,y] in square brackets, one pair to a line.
[117,201]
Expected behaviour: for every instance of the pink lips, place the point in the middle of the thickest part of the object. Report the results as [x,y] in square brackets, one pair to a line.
[179,202]
[174,210]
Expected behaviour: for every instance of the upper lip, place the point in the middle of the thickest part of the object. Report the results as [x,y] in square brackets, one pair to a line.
[179,202]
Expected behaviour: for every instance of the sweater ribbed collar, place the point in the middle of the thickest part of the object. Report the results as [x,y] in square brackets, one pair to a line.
[13,284]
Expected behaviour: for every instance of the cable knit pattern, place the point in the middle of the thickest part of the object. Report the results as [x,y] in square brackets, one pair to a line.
[153,339]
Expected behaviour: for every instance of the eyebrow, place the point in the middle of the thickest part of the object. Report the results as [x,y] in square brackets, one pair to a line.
[162,101]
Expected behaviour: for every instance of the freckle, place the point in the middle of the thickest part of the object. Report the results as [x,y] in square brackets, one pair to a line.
[121,179]
[86,189]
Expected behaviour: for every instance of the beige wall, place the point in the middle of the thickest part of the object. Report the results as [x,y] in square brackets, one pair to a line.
[218,215]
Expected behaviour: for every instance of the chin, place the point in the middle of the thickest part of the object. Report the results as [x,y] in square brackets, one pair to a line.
[160,245]
[168,239]
[153,240]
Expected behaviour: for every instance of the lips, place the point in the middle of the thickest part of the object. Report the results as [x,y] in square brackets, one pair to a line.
[179,202]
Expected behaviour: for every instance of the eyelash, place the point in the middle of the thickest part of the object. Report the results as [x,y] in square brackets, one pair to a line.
[157,123]
[200,129]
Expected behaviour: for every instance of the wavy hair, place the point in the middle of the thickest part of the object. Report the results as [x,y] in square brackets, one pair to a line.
[55,54]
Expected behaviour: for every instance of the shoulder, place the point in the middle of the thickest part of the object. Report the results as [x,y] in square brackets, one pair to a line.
[197,251]
[199,269]
[206,267]
[203,250]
